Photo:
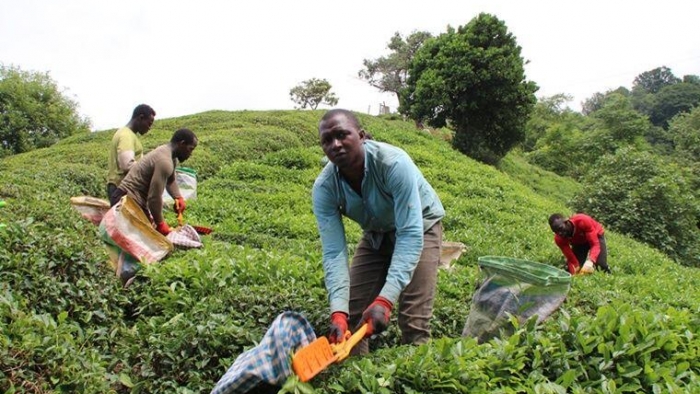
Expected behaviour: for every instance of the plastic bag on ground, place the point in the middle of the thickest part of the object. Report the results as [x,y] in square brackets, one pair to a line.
[269,363]
[450,252]
[516,287]
[90,208]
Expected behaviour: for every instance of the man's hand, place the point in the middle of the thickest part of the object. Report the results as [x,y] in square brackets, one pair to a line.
[588,267]
[339,325]
[180,205]
[377,316]
[573,268]
[163,228]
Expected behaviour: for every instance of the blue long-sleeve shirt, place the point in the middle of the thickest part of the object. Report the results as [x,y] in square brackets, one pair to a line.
[395,197]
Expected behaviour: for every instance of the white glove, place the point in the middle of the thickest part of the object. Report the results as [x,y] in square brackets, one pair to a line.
[588,267]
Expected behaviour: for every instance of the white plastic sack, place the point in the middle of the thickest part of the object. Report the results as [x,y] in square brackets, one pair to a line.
[186,179]
[128,228]
[450,252]
[90,208]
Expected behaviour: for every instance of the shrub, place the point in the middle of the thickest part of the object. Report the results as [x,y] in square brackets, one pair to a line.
[636,193]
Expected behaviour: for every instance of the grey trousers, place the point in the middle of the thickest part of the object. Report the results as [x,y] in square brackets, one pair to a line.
[368,273]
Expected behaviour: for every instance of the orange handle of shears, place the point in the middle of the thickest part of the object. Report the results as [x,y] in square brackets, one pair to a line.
[342,350]
[180,219]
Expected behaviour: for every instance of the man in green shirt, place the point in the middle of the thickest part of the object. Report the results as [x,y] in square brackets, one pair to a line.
[126,149]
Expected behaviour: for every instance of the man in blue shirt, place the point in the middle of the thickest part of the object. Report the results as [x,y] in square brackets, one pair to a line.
[378,186]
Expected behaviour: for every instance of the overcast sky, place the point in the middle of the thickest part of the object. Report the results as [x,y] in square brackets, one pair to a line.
[184,57]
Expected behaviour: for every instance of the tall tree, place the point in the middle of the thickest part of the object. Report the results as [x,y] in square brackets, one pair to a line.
[597,101]
[685,131]
[547,111]
[34,113]
[390,73]
[473,79]
[619,119]
[692,79]
[672,100]
[593,103]
[312,92]
[652,81]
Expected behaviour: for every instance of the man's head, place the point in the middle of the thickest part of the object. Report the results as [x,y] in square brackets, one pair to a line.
[184,141]
[142,119]
[561,225]
[341,138]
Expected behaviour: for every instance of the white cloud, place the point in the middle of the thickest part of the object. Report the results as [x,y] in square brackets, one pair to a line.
[185,57]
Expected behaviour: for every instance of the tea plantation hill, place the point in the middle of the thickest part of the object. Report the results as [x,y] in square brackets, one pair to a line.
[68,326]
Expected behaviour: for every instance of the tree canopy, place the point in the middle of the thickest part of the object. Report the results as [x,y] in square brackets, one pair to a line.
[653,81]
[34,113]
[685,131]
[390,73]
[672,100]
[660,95]
[473,79]
[313,92]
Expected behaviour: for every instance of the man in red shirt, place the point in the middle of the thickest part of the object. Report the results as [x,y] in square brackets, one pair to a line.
[582,241]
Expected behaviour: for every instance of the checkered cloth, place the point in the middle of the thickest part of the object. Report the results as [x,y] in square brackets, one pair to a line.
[185,237]
[270,361]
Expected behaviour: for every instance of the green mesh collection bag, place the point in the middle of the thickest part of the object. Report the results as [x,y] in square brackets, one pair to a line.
[516,287]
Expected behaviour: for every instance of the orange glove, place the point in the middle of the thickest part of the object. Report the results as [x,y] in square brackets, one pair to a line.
[163,228]
[377,316]
[339,325]
[180,205]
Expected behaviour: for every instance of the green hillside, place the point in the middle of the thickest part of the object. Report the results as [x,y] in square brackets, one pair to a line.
[68,326]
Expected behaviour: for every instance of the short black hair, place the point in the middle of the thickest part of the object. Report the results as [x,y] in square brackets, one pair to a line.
[348,114]
[143,109]
[554,217]
[185,135]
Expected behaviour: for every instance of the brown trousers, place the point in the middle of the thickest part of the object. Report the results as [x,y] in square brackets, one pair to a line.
[368,273]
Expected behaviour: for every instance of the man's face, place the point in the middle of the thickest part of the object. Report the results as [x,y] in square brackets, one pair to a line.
[341,141]
[562,227]
[184,150]
[144,123]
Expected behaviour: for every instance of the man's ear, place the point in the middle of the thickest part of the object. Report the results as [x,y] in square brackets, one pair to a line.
[363,133]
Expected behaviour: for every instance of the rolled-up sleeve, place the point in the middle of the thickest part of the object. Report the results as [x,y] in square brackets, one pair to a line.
[402,179]
[335,256]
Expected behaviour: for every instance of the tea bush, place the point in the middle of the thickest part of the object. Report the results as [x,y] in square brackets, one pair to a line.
[68,326]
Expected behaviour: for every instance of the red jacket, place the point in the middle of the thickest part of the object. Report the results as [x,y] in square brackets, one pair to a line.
[586,231]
